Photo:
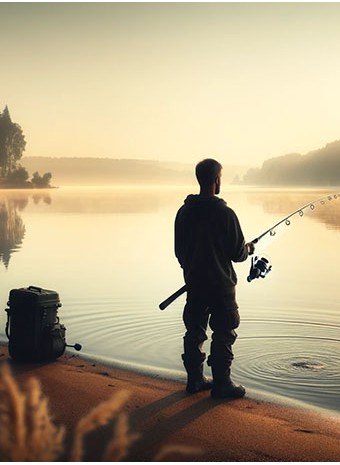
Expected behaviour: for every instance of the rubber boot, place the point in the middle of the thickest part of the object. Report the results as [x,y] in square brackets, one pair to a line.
[223,387]
[228,390]
[196,381]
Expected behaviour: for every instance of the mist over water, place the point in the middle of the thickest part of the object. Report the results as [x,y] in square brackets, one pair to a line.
[109,254]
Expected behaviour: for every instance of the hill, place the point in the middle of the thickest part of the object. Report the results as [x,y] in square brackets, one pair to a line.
[319,167]
[108,171]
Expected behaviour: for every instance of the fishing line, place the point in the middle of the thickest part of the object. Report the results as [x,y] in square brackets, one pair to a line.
[300,211]
[260,267]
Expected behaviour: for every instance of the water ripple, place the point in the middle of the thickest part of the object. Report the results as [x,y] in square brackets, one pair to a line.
[292,357]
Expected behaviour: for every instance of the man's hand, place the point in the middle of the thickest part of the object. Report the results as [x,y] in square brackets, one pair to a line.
[251,247]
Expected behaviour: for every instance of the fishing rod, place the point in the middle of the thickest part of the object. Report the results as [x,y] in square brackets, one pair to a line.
[260,266]
[300,211]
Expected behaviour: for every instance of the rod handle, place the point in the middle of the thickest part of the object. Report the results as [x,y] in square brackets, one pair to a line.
[173,297]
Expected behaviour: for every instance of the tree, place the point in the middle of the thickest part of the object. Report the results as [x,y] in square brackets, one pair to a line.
[12,143]
[41,181]
[319,167]
[18,177]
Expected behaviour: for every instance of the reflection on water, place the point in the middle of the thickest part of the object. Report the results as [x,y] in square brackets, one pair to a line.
[109,254]
[12,228]
[105,201]
[46,198]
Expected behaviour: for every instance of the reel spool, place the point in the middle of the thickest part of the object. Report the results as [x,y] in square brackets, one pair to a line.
[259,268]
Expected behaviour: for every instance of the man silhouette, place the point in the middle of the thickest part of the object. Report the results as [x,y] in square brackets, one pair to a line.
[208,238]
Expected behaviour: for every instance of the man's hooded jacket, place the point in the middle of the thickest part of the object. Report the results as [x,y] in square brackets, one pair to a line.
[208,238]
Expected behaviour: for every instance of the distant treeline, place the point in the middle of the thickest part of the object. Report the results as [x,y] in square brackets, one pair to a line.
[108,171]
[317,168]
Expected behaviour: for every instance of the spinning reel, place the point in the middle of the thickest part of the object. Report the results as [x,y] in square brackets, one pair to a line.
[259,268]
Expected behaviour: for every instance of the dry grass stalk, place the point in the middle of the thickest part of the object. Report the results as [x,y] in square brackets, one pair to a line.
[99,416]
[12,418]
[27,430]
[121,441]
[45,440]
[170,449]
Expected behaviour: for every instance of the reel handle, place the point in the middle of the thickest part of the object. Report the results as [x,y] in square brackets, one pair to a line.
[75,346]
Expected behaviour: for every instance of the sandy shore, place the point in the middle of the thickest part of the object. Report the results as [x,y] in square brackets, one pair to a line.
[163,414]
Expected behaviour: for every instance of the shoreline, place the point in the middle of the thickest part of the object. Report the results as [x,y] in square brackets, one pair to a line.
[179,377]
[163,414]
[28,188]
[169,375]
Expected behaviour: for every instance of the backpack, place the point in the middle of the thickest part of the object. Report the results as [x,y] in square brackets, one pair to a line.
[33,327]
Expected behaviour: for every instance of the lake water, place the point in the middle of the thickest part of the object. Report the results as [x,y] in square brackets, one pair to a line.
[109,254]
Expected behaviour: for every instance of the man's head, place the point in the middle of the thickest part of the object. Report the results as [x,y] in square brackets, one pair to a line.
[208,174]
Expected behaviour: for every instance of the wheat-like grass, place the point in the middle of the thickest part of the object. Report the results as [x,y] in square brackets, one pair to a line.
[27,432]
[45,439]
[180,449]
[12,418]
[98,416]
[121,441]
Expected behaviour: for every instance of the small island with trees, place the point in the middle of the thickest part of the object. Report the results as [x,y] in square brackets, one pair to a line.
[12,146]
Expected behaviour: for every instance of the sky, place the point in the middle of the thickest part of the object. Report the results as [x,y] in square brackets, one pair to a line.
[240,82]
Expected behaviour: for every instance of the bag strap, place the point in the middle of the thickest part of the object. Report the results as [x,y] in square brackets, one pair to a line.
[7,310]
